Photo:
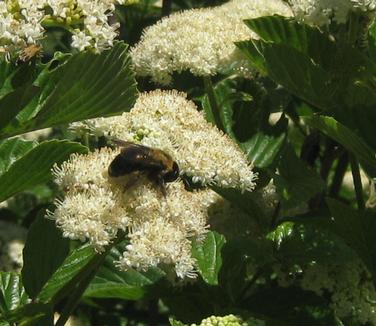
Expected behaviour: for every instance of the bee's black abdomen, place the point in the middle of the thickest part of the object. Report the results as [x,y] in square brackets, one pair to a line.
[121,166]
[130,159]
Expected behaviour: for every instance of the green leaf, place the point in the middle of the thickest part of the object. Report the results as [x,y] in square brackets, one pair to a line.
[343,135]
[14,102]
[372,41]
[304,38]
[250,203]
[226,96]
[299,75]
[296,182]
[262,149]
[252,50]
[30,314]
[71,266]
[304,239]
[110,282]
[208,256]
[238,255]
[12,293]
[281,232]
[357,229]
[85,86]
[35,166]
[174,322]
[42,255]
[309,64]
[11,150]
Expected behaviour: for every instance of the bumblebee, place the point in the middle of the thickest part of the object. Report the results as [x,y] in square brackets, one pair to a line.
[155,163]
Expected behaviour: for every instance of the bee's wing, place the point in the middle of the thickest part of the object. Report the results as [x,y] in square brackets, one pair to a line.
[121,143]
[126,145]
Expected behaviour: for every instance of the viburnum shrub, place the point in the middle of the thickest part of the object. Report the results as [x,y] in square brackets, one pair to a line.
[187,162]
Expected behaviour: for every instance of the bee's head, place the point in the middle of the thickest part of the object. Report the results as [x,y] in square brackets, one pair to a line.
[172,174]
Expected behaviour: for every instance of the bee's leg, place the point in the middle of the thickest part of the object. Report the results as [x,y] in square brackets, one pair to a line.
[129,184]
[162,185]
[156,178]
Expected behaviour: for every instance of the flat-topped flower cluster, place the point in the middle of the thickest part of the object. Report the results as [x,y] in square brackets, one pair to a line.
[199,40]
[159,228]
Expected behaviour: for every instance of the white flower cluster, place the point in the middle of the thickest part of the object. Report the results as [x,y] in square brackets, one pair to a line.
[159,229]
[21,22]
[229,320]
[168,121]
[322,12]
[352,293]
[12,241]
[199,40]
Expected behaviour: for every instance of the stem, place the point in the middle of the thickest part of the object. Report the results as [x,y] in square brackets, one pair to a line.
[249,286]
[213,102]
[341,168]
[85,140]
[311,148]
[357,182]
[166,7]
[328,158]
[273,222]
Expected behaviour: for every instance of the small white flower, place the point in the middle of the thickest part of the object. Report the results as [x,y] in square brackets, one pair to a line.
[80,40]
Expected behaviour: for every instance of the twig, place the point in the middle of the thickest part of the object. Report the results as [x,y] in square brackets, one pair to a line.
[357,182]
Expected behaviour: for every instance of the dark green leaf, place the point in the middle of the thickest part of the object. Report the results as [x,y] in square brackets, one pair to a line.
[30,314]
[238,255]
[35,166]
[296,182]
[251,203]
[42,255]
[343,135]
[299,75]
[278,29]
[11,150]
[174,322]
[104,289]
[225,95]
[14,102]
[110,282]
[281,232]
[12,293]
[309,64]
[304,240]
[208,256]
[71,266]
[252,49]
[87,85]
[372,41]
[305,39]
[262,149]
